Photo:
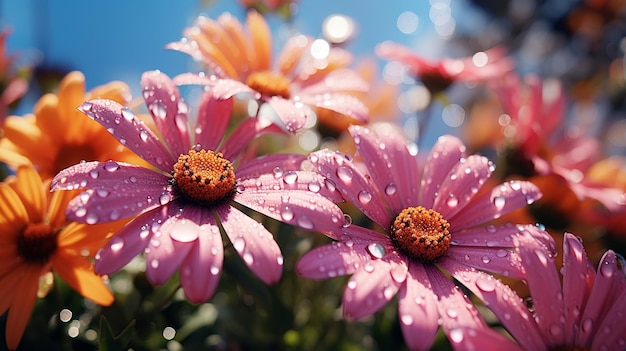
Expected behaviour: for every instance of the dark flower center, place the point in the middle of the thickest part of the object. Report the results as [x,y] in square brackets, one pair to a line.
[70,155]
[36,243]
[421,234]
[205,177]
[269,84]
[434,81]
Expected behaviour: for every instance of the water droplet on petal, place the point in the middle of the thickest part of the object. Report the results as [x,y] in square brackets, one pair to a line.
[128,114]
[94,173]
[345,174]
[376,250]
[486,259]
[499,202]
[290,177]
[111,166]
[278,172]
[214,269]
[247,258]
[287,214]
[314,187]
[92,218]
[116,244]
[305,223]
[80,211]
[406,319]
[364,197]
[154,263]
[391,189]
[607,269]
[165,198]
[239,244]
[486,283]
[143,135]
[456,336]
[452,201]
[347,220]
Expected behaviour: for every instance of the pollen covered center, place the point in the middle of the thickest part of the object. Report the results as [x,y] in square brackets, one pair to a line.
[36,243]
[420,233]
[269,84]
[204,176]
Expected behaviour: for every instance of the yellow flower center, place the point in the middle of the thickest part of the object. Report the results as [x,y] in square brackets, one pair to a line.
[421,234]
[204,177]
[269,84]
[36,243]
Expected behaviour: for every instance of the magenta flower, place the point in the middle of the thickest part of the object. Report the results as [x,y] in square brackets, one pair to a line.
[432,220]
[581,309]
[306,73]
[183,201]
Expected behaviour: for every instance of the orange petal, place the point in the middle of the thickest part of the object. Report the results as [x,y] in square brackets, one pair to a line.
[261,39]
[209,49]
[11,208]
[116,91]
[22,305]
[7,289]
[78,273]
[29,188]
[23,136]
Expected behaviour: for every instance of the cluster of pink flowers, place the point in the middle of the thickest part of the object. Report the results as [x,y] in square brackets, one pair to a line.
[435,230]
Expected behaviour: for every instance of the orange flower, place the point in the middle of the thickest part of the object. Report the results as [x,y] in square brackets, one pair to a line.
[35,240]
[57,135]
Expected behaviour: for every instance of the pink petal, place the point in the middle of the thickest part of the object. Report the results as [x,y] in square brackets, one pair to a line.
[496,260]
[245,132]
[384,151]
[492,204]
[253,243]
[369,289]
[288,180]
[292,114]
[343,175]
[166,254]
[484,339]
[188,47]
[346,256]
[500,299]
[303,209]
[117,190]
[396,52]
[129,241]
[608,285]
[168,110]
[130,131]
[489,236]
[270,163]
[578,276]
[342,103]
[201,269]
[544,284]
[445,154]
[418,315]
[461,184]
[213,118]
[612,329]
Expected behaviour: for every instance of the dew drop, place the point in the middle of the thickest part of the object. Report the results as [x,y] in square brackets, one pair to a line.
[158,109]
[376,250]
[80,211]
[352,284]
[287,214]
[290,177]
[456,336]
[587,325]
[111,166]
[247,258]
[364,197]
[102,192]
[278,172]
[452,201]
[345,174]
[215,269]
[92,218]
[116,244]
[128,114]
[330,185]
[486,283]
[115,215]
[406,319]
[94,173]
[391,189]
[239,244]
[314,187]
[143,135]
[347,220]
[607,269]
[305,223]
[486,259]
[388,292]
[154,263]
[502,253]
[499,202]
[165,198]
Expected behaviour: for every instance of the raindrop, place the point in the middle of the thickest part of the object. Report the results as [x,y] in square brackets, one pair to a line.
[93,173]
[102,192]
[587,325]
[290,177]
[345,174]
[406,319]
[391,189]
[388,292]
[456,336]
[239,244]
[80,211]
[111,166]
[376,250]
[486,283]
[347,220]
[314,187]
[165,198]
[352,284]
[607,269]
[330,185]
[154,263]
[499,202]
[452,313]
[240,188]
[515,185]
[287,214]
[115,215]
[92,218]
[305,223]
[116,244]
[486,259]
[368,267]
[143,135]
[364,197]
[158,109]
[280,259]
[278,172]
[502,253]
[247,257]
[214,269]
[128,114]
[452,201]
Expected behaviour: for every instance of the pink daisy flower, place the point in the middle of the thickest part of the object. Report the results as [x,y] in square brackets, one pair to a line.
[307,72]
[183,201]
[432,223]
[580,309]
[437,76]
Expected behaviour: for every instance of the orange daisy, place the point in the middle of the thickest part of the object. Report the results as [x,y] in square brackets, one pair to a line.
[57,135]
[35,240]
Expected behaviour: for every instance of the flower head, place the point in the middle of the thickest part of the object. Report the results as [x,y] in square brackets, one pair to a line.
[36,239]
[57,135]
[307,72]
[437,76]
[432,219]
[188,195]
